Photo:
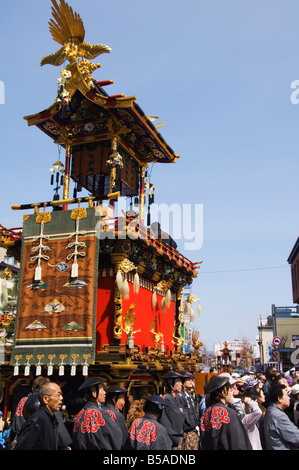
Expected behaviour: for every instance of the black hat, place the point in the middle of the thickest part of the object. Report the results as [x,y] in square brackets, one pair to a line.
[172,375]
[31,405]
[156,399]
[116,389]
[215,383]
[90,382]
[187,375]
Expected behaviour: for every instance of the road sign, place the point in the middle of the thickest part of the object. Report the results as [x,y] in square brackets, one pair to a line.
[276,341]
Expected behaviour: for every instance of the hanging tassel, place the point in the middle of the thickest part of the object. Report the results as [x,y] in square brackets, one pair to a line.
[38,370]
[73,369]
[61,369]
[168,297]
[199,310]
[4,293]
[163,304]
[85,370]
[126,289]
[192,315]
[74,269]
[136,282]
[119,280]
[16,369]
[38,274]
[14,292]
[27,369]
[154,299]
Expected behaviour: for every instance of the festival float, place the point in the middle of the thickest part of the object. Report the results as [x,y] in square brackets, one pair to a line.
[100,292]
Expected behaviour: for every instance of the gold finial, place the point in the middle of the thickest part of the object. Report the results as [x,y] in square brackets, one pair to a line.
[66,28]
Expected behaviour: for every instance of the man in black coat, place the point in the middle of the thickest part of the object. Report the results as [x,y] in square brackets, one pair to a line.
[40,431]
[114,404]
[220,426]
[94,428]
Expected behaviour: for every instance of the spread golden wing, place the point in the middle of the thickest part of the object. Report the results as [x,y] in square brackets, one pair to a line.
[130,316]
[67,25]
[57,58]
[90,52]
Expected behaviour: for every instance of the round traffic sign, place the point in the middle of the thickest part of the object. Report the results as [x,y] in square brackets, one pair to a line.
[276,341]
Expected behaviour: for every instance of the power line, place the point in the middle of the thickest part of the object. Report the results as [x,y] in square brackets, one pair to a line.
[242,270]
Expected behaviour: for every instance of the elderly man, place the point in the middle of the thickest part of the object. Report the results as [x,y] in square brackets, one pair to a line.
[40,431]
[280,432]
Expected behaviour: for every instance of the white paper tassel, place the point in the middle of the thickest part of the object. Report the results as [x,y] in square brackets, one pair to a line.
[154,299]
[126,289]
[136,283]
[168,297]
[27,369]
[16,370]
[74,270]
[4,294]
[61,369]
[14,292]
[50,369]
[163,304]
[38,273]
[73,369]
[38,370]
[119,280]
[191,313]
[199,310]
[85,370]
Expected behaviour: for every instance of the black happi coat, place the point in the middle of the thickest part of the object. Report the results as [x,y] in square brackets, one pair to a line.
[64,439]
[173,419]
[147,433]
[119,418]
[221,429]
[186,401]
[94,429]
[39,432]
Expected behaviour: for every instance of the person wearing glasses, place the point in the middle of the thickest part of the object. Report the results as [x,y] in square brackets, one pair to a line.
[40,431]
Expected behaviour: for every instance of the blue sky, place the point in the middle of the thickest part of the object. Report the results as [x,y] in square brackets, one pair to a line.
[219,74]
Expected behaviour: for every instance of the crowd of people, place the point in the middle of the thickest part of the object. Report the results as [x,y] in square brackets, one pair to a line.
[252,411]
